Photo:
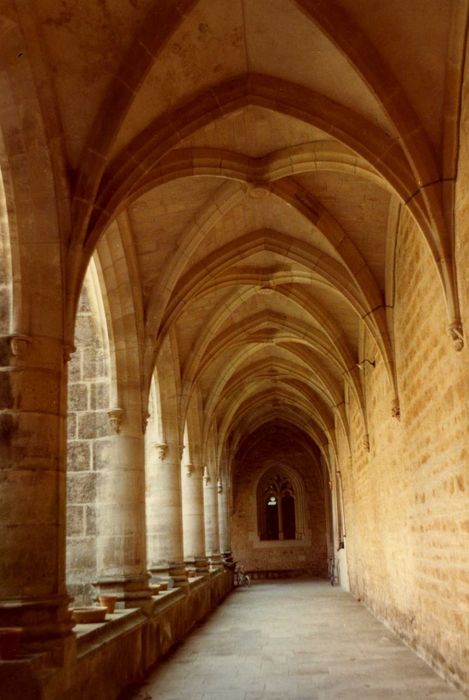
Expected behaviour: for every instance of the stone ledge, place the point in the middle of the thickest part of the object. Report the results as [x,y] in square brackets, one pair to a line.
[139,638]
[92,636]
[106,657]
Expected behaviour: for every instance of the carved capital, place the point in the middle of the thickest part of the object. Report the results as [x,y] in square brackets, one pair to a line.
[161,450]
[219,486]
[396,409]
[456,333]
[115,416]
[68,350]
[145,419]
[189,468]
[19,345]
[206,476]
[366,442]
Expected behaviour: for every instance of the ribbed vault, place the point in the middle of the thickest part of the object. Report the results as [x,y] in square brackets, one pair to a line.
[239,181]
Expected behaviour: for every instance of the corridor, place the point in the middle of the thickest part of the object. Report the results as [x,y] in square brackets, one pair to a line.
[295,640]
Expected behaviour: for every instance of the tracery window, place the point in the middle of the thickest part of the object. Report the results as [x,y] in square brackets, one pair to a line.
[276,509]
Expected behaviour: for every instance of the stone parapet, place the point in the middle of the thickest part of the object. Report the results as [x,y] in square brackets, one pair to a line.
[112,655]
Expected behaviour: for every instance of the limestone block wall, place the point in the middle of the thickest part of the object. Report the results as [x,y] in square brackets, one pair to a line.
[306,554]
[87,448]
[406,500]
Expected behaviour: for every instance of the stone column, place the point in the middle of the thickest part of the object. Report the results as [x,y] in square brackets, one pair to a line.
[212,539]
[193,517]
[32,494]
[164,507]
[122,565]
[224,519]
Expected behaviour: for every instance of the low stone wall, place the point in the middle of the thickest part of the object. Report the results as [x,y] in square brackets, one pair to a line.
[106,658]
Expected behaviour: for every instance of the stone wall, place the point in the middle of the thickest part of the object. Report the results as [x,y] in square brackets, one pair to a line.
[308,554]
[407,498]
[88,428]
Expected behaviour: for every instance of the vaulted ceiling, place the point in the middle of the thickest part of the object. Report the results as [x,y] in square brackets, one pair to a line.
[257,153]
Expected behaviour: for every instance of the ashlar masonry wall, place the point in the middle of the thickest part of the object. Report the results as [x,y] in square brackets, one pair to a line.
[87,449]
[406,500]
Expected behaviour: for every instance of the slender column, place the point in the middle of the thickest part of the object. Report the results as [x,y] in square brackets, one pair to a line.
[212,539]
[193,517]
[122,566]
[164,503]
[224,519]
[32,495]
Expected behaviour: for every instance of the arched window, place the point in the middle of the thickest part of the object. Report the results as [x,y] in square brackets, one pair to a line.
[271,519]
[276,506]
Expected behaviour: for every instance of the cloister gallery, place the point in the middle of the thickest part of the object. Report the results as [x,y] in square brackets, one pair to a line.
[234,307]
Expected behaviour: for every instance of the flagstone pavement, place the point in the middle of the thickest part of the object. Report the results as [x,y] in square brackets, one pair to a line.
[292,640]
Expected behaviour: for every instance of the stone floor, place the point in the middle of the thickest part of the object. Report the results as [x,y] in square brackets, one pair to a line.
[292,640]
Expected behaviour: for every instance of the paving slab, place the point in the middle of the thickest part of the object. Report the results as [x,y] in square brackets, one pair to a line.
[293,640]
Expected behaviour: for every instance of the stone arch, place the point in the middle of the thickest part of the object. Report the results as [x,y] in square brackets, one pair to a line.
[161,21]
[34,187]
[317,156]
[304,413]
[406,168]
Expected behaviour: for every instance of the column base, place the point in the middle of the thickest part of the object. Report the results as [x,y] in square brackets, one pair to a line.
[197,564]
[46,623]
[215,561]
[130,591]
[173,572]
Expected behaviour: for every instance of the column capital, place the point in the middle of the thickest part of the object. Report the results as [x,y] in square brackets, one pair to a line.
[162,449]
[19,345]
[68,350]
[115,416]
[33,352]
[145,419]
[456,333]
[189,468]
